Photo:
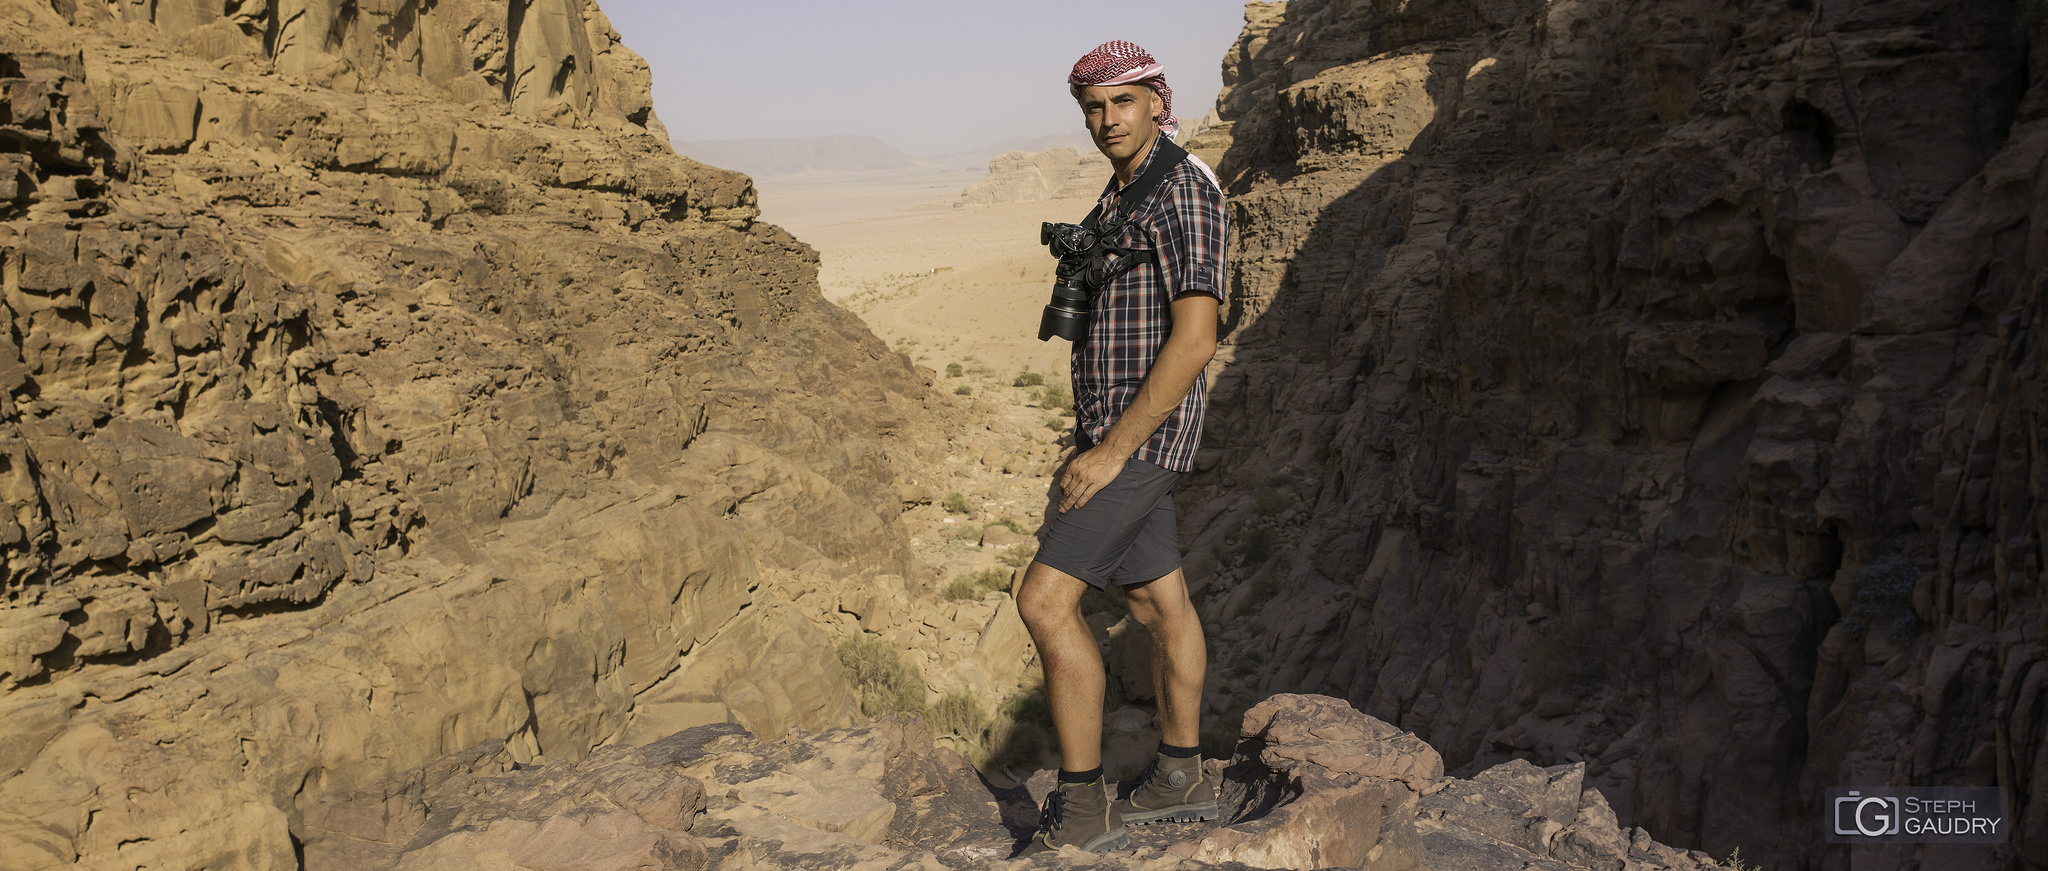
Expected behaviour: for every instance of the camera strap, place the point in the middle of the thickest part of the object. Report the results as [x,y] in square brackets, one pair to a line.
[1166,155]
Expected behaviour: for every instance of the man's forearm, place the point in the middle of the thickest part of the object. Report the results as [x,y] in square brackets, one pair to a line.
[1187,350]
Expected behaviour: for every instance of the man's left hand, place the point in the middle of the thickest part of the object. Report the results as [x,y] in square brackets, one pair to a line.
[1086,475]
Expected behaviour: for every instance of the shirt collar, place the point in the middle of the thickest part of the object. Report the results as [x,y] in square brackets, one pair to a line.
[1116,190]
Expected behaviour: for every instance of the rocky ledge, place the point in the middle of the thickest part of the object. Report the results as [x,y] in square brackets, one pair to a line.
[1313,784]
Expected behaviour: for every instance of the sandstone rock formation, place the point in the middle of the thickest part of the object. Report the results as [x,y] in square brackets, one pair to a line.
[1652,384]
[1315,784]
[1027,176]
[378,383]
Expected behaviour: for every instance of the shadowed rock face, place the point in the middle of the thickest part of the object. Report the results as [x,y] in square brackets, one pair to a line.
[1314,784]
[1648,383]
[376,383]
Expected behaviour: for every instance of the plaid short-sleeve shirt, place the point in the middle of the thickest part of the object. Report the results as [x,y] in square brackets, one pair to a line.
[1183,223]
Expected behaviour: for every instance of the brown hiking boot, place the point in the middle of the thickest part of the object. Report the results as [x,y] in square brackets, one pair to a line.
[1170,790]
[1077,814]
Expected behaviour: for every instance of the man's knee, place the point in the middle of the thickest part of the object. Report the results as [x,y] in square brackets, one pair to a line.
[1160,602]
[1047,596]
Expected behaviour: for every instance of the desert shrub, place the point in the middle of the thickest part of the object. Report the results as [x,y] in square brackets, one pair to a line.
[1019,555]
[886,684]
[1055,423]
[959,532]
[1028,707]
[1028,378]
[953,370]
[1258,545]
[1016,736]
[955,503]
[969,587]
[963,390]
[1057,398]
[958,713]
[1012,523]
[1270,502]
[1734,862]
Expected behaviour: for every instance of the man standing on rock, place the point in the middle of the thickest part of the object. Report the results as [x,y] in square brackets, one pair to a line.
[1139,395]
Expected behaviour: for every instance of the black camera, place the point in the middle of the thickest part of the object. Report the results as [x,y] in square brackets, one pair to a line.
[1067,239]
[1082,271]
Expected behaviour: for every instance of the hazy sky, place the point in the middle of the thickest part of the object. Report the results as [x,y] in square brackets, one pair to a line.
[925,76]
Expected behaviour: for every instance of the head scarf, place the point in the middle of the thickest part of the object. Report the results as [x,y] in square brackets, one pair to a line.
[1121,63]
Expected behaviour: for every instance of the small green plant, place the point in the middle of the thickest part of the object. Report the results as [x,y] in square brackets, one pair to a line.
[1029,707]
[955,503]
[959,714]
[1270,502]
[1258,546]
[886,684]
[1734,862]
[1011,523]
[1028,378]
[1057,398]
[963,532]
[1018,556]
[1017,737]
[970,587]
[1056,423]
[963,390]
[953,370]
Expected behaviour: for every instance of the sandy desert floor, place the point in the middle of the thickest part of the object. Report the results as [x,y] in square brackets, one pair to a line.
[944,285]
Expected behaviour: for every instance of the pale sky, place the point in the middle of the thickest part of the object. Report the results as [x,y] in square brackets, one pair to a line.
[925,76]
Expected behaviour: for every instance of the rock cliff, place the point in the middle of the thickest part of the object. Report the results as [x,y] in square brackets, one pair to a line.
[1029,176]
[1647,383]
[378,382]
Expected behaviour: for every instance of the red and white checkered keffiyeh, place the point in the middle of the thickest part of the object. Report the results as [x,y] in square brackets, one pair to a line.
[1117,62]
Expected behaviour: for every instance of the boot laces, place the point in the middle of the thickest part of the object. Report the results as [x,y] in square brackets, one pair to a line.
[1049,813]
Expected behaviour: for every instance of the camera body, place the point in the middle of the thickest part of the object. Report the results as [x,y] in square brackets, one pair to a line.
[1066,240]
[1083,270]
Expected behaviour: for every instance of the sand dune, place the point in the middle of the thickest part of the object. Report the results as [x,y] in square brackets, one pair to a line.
[943,284]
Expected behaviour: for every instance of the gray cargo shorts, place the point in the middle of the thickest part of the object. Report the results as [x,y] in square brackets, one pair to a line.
[1125,535]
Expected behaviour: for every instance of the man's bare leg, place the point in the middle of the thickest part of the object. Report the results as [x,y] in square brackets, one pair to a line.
[1049,600]
[1180,654]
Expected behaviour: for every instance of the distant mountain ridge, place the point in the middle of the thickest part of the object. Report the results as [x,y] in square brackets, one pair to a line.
[770,157]
[802,154]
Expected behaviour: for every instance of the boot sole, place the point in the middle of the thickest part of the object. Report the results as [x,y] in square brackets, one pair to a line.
[1180,813]
[1108,841]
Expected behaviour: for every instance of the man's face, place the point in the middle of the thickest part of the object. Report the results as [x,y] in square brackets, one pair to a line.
[1122,119]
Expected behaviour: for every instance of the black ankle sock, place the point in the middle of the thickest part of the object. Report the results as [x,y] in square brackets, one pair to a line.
[1171,751]
[1089,776]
